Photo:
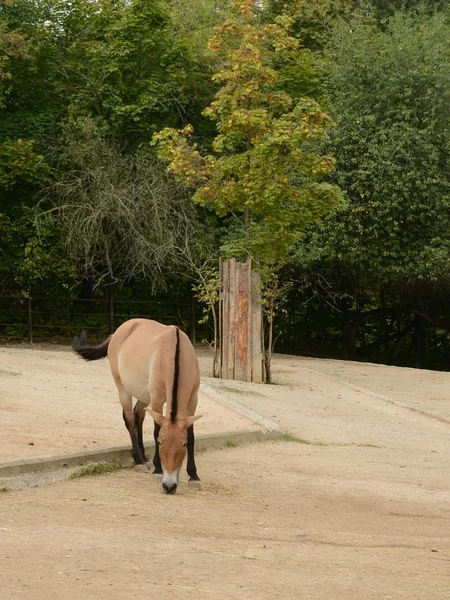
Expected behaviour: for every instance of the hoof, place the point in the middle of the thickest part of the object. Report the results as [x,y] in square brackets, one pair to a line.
[157,477]
[195,484]
[141,468]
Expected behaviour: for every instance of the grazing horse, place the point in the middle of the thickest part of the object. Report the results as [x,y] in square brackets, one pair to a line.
[157,365]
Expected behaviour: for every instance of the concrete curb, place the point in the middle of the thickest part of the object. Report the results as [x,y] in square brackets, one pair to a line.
[121,454]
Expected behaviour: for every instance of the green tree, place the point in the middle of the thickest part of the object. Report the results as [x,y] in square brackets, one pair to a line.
[129,73]
[32,104]
[312,21]
[13,46]
[263,172]
[390,98]
[117,63]
[20,163]
[191,25]
[263,168]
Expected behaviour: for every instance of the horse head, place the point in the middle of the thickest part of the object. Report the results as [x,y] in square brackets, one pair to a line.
[172,443]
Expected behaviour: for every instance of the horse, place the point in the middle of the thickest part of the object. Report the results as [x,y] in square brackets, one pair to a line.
[157,365]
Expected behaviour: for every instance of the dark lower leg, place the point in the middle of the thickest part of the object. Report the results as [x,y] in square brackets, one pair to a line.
[156,458]
[191,468]
[132,430]
[139,416]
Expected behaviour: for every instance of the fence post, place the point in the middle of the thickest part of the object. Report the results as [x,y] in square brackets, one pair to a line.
[30,322]
[111,308]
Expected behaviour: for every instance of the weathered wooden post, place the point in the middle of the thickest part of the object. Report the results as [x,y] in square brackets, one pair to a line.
[241,322]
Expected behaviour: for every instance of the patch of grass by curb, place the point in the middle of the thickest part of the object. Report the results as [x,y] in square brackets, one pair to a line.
[98,469]
[366,445]
[230,444]
[226,444]
[288,437]
[4,489]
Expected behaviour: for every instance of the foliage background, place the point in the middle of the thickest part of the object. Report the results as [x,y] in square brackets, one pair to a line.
[85,85]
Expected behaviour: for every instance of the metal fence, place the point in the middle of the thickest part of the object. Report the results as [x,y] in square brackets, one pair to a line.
[43,317]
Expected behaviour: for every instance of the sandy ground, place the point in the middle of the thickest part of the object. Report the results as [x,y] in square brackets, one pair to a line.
[421,390]
[275,521]
[52,402]
[359,510]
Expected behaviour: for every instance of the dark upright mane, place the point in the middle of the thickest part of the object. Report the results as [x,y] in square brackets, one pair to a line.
[176,375]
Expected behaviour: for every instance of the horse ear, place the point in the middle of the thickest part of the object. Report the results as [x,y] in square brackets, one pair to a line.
[157,417]
[190,420]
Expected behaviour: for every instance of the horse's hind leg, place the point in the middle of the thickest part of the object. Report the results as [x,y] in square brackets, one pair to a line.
[126,401]
[139,416]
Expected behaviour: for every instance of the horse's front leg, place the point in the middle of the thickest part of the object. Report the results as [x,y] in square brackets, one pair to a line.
[126,401]
[194,479]
[158,472]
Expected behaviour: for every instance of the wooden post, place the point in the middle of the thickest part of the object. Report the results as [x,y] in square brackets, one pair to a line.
[225,314]
[218,373]
[257,349]
[250,341]
[232,320]
[240,322]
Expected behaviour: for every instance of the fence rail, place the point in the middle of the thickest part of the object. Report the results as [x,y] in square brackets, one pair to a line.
[45,317]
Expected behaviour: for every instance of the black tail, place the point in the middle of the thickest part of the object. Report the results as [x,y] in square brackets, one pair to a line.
[176,375]
[80,346]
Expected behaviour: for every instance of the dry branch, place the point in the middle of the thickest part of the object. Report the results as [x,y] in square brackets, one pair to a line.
[121,217]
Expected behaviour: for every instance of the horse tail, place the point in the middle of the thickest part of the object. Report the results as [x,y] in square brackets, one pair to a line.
[176,376]
[80,346]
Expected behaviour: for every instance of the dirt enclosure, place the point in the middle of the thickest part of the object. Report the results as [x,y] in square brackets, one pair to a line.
[357,508]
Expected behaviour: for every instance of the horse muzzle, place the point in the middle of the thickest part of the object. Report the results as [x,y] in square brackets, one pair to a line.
[170,482]
[170,488]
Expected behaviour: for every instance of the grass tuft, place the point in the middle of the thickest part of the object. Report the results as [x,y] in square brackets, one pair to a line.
[368,446]
[288,437]
[98,469]
[230,444]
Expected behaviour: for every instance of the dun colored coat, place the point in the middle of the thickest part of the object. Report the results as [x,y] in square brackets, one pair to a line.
[157,365]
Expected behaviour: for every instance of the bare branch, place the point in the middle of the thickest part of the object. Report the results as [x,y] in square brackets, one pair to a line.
[121,217]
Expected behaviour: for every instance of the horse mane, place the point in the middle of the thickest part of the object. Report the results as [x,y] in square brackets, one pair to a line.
[176,376]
